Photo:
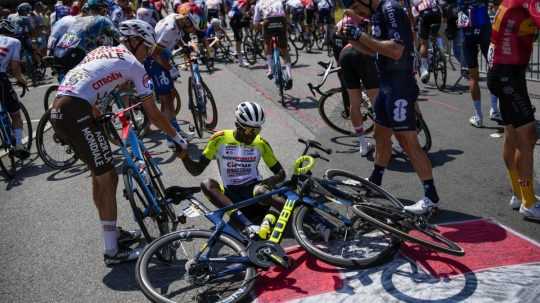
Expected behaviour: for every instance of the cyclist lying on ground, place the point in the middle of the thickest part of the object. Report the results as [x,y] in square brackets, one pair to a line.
[238,153]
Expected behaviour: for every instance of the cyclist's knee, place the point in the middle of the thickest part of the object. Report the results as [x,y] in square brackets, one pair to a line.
[209,185]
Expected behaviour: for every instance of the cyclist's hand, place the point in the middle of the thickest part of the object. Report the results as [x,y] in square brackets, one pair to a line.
[351,32]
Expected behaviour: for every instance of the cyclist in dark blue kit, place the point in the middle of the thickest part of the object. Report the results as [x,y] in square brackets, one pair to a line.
[395,113]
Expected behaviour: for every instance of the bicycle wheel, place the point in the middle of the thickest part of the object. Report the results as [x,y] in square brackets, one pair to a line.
[293,53]
[333,112]
[27,128]
[152,225]
[54,152]
[198,118]
[7,159]
[320,38]
[250,50]
[424,136]
[401,223]
[338,236]
[211,112]
[184,279]
[49,96]
[10,166]
[177,101]
[439,70]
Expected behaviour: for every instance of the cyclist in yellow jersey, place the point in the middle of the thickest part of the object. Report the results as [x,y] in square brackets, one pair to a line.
[238,153]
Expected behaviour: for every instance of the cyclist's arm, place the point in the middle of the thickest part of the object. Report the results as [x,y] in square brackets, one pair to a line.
[363,49]
[387,48]
[195,168]
[15,64]
[279,176]
[156,117]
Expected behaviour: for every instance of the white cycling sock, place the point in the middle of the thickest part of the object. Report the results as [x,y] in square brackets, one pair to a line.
[269,62]
[110,237]
[18,133]
[288,70]
[424,62]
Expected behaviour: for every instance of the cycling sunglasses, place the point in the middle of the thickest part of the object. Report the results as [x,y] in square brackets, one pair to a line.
[249,130]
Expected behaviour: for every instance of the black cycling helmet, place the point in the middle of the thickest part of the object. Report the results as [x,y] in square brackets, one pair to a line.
[24,8]
[7,27]
[93,4]
[366,3]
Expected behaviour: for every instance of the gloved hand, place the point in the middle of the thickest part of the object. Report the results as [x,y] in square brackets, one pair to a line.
[352,32]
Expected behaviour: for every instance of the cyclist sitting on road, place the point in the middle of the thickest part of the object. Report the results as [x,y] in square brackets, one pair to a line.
[238,153]
[358,71]
[514,31]
[428,17]
[271,15]
[83,90]
[84,34]
[394,108]
[169,32]
[10,56]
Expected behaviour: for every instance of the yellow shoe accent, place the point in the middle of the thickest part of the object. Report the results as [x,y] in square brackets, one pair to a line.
[527,192]
[514,182]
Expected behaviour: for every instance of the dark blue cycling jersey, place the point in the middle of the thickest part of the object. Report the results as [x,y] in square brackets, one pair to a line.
[390,22]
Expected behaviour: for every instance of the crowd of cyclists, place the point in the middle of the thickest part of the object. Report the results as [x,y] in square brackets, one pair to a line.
[104,45]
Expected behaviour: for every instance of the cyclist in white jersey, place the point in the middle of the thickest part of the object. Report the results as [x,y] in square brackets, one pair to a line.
[272,12]
[427,14]
[10,51]
[147,13]
[73,117]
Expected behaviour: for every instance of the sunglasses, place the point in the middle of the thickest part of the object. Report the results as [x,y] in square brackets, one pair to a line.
[249,130]
[185,23]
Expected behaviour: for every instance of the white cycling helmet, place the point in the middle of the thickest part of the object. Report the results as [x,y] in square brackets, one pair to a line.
[138,28]
[249,114]
[215,22]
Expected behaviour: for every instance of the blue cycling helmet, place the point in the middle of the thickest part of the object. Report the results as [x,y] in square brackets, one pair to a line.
[7,27]
[24,8]
[92,4]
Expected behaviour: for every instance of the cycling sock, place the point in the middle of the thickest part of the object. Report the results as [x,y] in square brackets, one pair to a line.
[377,174]
[18,133]
[110,237]
[527,192]
[241,218]
[477,108]
[269,62]
[424,62]
[494,103]
[288,70]
[360,134]
[175,124]
[430,191]
[514,177]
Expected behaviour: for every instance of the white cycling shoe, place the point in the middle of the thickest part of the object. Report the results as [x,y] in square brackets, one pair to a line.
[495,115]
[532,213]
[476,121]
[421,207]
[366,148]
[424,75]
[515,203]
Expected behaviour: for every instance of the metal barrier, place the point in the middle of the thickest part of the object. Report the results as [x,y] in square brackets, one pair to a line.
[533,70]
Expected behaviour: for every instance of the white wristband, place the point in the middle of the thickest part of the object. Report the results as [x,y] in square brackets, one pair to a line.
[179,140]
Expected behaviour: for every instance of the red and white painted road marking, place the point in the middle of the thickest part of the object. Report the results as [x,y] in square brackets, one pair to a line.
[500,265]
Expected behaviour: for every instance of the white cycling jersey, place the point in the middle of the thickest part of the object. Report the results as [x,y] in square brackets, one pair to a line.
[168,33]
[268,8]
[59,29]
[420,5]
[324,4]
[294,3]
[213,4]
[101,72]
[147,15]
[10,50]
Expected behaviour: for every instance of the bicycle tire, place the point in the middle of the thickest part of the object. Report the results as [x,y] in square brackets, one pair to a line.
[320,38]
[51,91]
[423,131]
[8,167]
[145,266]
[152,226]
[294,54]
[210,123]
[439,70]
[157,183]
[11,168]
[250,50]
[383,215]
[177,101]
[297,39]
[28,131]
[336,252]
[198,119]
[44,149]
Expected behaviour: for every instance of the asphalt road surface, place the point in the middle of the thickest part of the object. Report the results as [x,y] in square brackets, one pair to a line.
[51,247]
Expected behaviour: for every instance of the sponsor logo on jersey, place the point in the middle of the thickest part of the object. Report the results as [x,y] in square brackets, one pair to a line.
[106,80]
[3,51]
[75,76]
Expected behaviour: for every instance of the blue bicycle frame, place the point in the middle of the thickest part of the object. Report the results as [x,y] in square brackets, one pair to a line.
[5,127]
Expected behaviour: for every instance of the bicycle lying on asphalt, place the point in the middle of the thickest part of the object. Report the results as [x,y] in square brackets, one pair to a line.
[7,138]
[336,219]
[334,110]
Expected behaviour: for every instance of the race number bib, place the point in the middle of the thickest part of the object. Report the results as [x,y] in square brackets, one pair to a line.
[490,55]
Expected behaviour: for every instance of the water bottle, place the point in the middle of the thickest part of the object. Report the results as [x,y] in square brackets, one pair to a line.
[266,226]
[142,171]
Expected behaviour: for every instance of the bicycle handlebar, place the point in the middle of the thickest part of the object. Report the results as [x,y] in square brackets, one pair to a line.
[24,90]
[314,144]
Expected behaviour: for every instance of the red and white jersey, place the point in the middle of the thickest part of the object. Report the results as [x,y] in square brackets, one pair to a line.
[167,32]
[512,36]
[101,72]
[214,4]
[10,50]
[420,5]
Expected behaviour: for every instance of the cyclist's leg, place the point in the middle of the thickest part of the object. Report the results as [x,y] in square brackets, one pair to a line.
[11,102]
[382,135]
[470,54]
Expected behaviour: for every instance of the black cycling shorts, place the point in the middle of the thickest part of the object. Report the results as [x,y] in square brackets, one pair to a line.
[239,193]
[276,26]
[358,70]
[473,39]
[509,84]
[310,14]
[429,22]
[213,13]
[394,107]
[8,97]
[73,121]
[298,15]
[71,58]
[237,24]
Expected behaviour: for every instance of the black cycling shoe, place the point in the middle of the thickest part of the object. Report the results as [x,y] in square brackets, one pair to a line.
[21,153]
[123,255]
[128,237]
[270,76]
[288,85]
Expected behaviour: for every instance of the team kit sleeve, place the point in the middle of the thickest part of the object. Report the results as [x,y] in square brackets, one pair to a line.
[211,148]
[16,54]
[140,79]
[396,32]
[268,155]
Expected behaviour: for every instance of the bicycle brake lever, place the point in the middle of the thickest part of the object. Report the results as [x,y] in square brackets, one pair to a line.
[311,89]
